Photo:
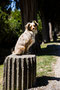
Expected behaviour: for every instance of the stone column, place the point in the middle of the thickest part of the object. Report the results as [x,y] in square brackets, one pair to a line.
[19,72]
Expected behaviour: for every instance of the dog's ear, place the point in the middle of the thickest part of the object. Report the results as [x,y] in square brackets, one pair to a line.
[36,24]
[28,26]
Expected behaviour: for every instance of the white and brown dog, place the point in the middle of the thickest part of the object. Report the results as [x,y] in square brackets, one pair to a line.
[27,39]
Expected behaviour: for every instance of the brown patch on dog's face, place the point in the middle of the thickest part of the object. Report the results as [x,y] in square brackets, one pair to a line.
[34,25]
[31,26]
[27,26]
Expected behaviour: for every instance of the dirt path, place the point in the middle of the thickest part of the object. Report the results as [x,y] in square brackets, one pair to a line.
[54,84]
[51,83]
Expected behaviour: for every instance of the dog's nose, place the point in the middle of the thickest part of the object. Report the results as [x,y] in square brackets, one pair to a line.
[33,28]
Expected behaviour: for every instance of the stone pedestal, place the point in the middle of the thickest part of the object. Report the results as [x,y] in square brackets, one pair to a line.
[19,72]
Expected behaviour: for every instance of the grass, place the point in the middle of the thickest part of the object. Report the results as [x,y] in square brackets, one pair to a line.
[1,76]
[45,61]
[44,65]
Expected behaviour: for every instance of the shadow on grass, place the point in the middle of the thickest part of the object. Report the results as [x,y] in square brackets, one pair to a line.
[43,81]
[50,50]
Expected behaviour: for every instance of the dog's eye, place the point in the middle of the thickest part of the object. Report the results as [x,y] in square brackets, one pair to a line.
[35,24]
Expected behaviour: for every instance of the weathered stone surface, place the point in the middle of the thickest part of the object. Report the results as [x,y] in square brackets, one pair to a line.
[19,72]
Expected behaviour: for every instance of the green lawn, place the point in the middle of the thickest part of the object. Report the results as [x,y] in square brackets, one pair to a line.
[46,60]
[44,65]
[1,76]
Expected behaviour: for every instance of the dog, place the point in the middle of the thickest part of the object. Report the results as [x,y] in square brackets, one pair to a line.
[27,39]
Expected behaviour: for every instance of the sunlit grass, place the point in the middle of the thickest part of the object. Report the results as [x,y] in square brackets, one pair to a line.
[1,76]
[46,44]
[44,65]
[46,59]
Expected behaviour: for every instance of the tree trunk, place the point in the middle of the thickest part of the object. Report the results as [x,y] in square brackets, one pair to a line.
[45,30]
[28,11]
[50,31]
[54,32]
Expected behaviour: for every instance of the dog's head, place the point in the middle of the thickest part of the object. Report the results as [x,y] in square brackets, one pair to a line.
[32,26]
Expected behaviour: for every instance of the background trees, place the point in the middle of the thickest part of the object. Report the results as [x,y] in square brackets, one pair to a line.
[10,27]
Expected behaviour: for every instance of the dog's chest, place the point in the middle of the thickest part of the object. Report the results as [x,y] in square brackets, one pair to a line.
[26,38]
[30,36]
[33,39]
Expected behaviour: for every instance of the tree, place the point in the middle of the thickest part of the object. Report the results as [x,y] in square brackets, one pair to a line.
[4,4]
[10,28]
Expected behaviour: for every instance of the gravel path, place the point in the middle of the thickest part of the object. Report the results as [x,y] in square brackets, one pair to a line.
[51,83]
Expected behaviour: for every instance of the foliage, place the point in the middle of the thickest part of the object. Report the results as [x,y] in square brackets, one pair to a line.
[40,22]
[1,76]
[10,27]
[15,22]
[3,24]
